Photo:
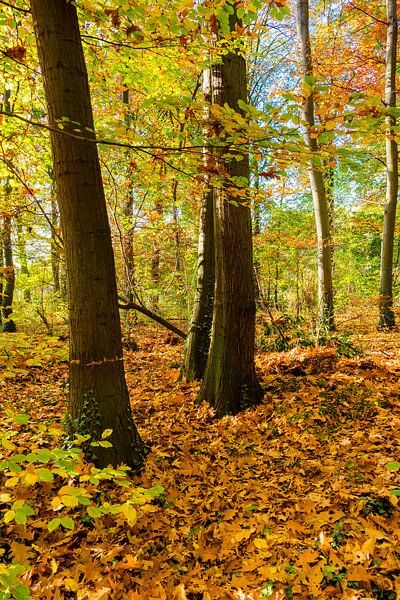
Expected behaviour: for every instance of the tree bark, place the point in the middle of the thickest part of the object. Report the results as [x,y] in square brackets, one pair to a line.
[99,397]
[386,315]
[55,256]
[23,259]
[128,238]
[230,383]
[9,270]
[156,259]
[318,189]
[198,340]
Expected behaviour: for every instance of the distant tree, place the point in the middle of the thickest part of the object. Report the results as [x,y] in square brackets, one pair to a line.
[317,182]
[386,315]
[99,397]
[8,271]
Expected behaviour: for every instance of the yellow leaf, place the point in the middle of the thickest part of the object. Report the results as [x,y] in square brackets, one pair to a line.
[70,501]
[8,516]
[57,503]
[12,481]
[130,514]
[31,479]
[70,584]
[329,125]
[260,543]
[54,566]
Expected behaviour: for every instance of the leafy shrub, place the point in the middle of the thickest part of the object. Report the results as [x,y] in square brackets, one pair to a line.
[68,488]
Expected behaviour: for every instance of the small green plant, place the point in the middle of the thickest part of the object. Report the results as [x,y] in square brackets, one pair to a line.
[71,490]
[11,587]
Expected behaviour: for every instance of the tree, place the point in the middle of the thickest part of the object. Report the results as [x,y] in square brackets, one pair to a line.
[198,340]
[386,315]
[9,272]
[230,383]
[318,188]
[99,397]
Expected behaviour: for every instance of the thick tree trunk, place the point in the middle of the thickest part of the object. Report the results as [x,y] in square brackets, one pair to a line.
[230,383]
[98,393]
[321,208]
[386,315]
[198,340]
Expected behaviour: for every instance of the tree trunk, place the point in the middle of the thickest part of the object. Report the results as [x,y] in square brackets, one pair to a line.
[155,260]
[99,397]
[9,270]
[386,315]
[23,259]
[321,208]
[198,340]
[230,383]
[128,239]
[55,256]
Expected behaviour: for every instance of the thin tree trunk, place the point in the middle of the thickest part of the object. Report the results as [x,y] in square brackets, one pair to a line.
[230,383]
[128,240]
[9,269]
[321,209]
[155,261]
[386,315]
[23,259]
[55,256]
[198,340]
[99,397]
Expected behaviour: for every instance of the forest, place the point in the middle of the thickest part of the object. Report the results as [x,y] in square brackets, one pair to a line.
[199,300]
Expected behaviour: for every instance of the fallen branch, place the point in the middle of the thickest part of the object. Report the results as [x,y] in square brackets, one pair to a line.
[153,316]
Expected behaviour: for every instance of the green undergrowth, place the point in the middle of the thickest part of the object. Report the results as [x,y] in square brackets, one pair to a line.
[286,333]
[48,486]
[20,352]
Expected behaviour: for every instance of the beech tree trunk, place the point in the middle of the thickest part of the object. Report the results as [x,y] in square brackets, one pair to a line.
[198,339]
[386,315]
[9,269]
[23,259]
[99,397]
[129,229]
[230,383]
[54,217]
[321,208]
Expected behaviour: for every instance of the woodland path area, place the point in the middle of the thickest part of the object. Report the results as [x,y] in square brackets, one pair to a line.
[293,499]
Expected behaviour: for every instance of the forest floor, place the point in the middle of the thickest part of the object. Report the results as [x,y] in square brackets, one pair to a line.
[292,499]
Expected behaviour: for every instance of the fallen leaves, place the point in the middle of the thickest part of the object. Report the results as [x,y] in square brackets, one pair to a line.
[293,497]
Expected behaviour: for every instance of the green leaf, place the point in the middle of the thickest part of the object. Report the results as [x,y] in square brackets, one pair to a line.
[45,475]
[83,500]
[22,419]
[396,492]
[67,522]
[94,512]
[393,466]
[105,444]
[54,523]
[21,592]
